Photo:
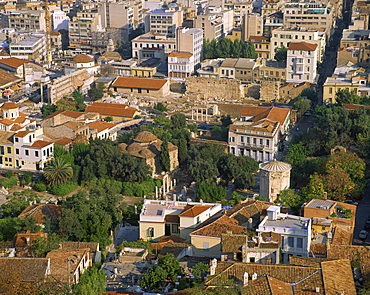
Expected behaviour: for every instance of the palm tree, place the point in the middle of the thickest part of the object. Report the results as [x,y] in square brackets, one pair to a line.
[57,171]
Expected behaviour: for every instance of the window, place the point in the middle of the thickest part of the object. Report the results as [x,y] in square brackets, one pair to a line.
[291,242]
[300,243]
[268,142]
[9,150]
[254,140]
[16,139]
[36,153]
[252,259]
[17,151]
[175,228]
[26,152]
[330,90]
[205,246]
[242,139]
[150,233]
[261,141]
[198,219]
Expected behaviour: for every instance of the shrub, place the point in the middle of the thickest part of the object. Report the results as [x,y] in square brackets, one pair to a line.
[63,189]
[140,189]
[9,174]
[40,187]
[27,178]
[9,182]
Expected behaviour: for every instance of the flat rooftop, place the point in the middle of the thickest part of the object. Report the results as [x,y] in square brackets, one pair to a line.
[320,204]
[289,222]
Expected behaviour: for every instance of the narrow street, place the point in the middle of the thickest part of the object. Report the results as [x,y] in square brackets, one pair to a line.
[362,213]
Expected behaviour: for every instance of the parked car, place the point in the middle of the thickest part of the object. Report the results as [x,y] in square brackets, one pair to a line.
[363,234]
[367,225]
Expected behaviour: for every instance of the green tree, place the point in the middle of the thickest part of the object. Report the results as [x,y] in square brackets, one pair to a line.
[96,93]
[244,181]
[346,97]
[108,119]
[48,109]
[183,150]
[226,120]
[296,154]
[216,131]
[92,282]
[311,94]
[160,107]
[281,54]
[57,171]
[315,188]
[199,270]
[201,170]
[302,105]
[153,278]
[209,192]
[338,184]
[288,198]
[41,246]
[163,121]
[170,265]
[26,178]
[165,157]
[178,120]
[11,226]
[14,206]
[349,162]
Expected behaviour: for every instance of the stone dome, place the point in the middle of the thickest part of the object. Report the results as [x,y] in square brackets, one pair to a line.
[145,136]
[122,147]
[134,147]
[82,58]
[275,166]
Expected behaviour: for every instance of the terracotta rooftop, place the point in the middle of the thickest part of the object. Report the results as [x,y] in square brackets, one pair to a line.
[179,54]
[40,144]
[64,141]
[248,209]
[143,83]
[22,133]
[41,212]
[6,122]
[233,243]
[272,113]
[9,105]
[13,62]
[101,126]
[111,109]
[6,137]
[304,46]
[175,239]
[355,106]
[193,210]
[26,239]
[258,39]
[82,58]
[8,78]
[338,277]
[221,225]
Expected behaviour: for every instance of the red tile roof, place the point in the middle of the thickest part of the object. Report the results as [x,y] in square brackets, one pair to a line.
[41,144]
[272,113]
[143,83]
[22,133]
[258,39]
[100,126]
[13,62]
[112,109]
[302,46]
[9,105]
[82,58]
[179,54]
[193,210]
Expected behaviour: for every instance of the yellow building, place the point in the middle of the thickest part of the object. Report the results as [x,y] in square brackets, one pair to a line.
[321,225]
[206,241]
[235,35]
[333,85]
[7,156]
[261,46]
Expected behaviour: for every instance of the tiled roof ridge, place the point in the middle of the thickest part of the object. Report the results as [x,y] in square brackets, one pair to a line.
[217,221]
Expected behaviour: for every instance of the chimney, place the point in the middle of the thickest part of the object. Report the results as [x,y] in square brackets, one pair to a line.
[212,270]
[317,289]
[325,195]
[272,212]
[28,240]
[254,276]
[214,262]
[245,279]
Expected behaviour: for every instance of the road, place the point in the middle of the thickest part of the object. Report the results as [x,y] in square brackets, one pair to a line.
[362,213]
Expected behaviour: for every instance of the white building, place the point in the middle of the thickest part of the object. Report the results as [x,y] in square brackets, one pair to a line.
[295,232]
[151,40]
[302,58]
[29,46]
[31,151]
[180,65]
[190,40]
[258,132]
[59,20]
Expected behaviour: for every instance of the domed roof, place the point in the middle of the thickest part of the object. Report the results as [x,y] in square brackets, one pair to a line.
[146,153]
[145,136]
[122,147]
[82,58]
[275,166]
[134,147]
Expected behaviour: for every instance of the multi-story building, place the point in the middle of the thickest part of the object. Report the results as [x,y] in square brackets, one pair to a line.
[261,46]
[164,21]
[81,27]
[160,218]
[295,232]
[301,62]
[211,24]
[151,40]
[137,6]
[271,6]
[311,15]
[240,8]
[226,15]
[27,20]
[272,22]
[252,25]
[30,46]
[180,65]
[283,36]
[59,20]
[258,132]
[190,40]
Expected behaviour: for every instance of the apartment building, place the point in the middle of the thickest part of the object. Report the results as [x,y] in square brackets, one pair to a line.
[180,65]
[271,6]
[190,40]
[226,15]
[160,218]
[81,27]
[152,40]
[258,132]
[271,23]
[164,21]
[301,62]
[295,232]
[261,46]
[284,35]
[252,25]
[311,15]
[240,8]
[27,20]
[59,20]
[137,6]
[211,24]
[30,46]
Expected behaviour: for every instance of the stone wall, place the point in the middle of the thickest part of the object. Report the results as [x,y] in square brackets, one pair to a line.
[269,90]
[210,87]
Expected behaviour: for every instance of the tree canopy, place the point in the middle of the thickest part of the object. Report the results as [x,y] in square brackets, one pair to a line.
[226,48]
